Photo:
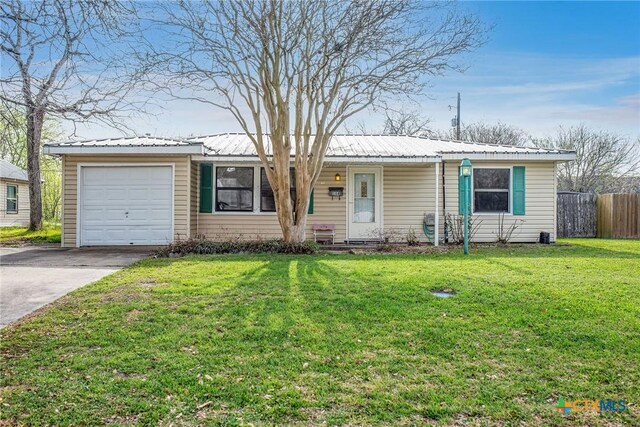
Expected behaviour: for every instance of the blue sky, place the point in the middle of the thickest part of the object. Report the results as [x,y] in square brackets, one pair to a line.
[546,64]
[553,63]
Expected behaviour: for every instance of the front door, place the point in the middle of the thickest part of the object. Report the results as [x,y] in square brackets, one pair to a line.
[365,204]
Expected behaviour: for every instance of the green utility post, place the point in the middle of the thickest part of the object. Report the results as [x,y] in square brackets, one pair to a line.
[465,174]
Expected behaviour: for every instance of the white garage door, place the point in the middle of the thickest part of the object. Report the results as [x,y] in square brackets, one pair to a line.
[129,205]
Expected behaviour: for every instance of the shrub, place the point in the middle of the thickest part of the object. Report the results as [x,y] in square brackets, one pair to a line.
[504,231]
[454,225]
[206,247]
[411,238]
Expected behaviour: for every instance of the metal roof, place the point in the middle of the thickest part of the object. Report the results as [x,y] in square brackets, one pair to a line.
[11,171]
[341,148]
[129,145]
[382,146]
[139,141]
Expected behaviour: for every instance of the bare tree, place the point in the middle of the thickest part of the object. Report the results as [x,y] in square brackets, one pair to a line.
[14,146]
[403,121]
[499,133]
[298,69]
[13,134]
[60,60]
[604,161]
[406,122]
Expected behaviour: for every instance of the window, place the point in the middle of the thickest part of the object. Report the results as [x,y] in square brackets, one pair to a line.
[234,189]
[12,199]
[491,190]
[267,201]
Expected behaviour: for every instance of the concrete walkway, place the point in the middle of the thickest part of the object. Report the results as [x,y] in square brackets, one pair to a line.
[31,277]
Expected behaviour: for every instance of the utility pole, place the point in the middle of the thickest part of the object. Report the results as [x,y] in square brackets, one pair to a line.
[456,120]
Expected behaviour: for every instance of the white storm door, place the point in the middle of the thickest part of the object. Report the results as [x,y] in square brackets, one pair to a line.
[365,204]
[126,205]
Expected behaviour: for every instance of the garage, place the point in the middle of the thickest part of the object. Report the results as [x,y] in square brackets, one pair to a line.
[125,205]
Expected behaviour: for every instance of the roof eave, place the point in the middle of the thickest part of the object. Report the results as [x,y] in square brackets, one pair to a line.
[328,159]
[13,179]
[193,148]
[565,157]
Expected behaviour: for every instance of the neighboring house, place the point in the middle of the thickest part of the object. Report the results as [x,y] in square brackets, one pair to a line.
[148,191]
[14,191]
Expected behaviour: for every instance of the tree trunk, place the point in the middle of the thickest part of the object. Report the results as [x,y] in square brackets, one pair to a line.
[293,224]
[35,120]
[293,232]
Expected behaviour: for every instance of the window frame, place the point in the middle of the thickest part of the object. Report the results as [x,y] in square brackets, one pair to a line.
[509,192]
[7,198]
[292,187]
[252,188]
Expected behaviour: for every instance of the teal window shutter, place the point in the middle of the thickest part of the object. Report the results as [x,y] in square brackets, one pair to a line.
[460,193]
[206,187]
[310,211]
[518,190]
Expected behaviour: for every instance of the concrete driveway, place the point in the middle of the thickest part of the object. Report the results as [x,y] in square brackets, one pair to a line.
[31,277]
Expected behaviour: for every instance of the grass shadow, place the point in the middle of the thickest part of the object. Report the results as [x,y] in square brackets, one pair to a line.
[340,339]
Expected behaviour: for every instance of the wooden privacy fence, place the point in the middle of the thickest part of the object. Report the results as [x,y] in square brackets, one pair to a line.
[611,216]
[576,214]
[618,216]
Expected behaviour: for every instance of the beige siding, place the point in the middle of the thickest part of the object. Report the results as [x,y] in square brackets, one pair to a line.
[408,193]
[247,226]
[14,219]
[70,185]
[540,202]
[194,197]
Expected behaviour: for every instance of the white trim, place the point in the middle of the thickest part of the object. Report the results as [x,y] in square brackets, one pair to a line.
[509,192]
[379,170]
[189,177]
[509,156]
[63,189]
[256,191]
[17,181]
[382,197]
[327,160]
[409,159]
[436,231]
[154,149]
[555,201]
[6,198]
[346,182]
[122,164]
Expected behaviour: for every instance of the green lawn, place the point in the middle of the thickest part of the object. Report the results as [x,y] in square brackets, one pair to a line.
[337,339]
[17,235]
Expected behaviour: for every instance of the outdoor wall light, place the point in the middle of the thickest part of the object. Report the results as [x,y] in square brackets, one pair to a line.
[465,168]
[338,177]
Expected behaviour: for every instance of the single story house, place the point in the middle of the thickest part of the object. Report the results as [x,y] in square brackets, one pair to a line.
[14,191]
[150,191]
